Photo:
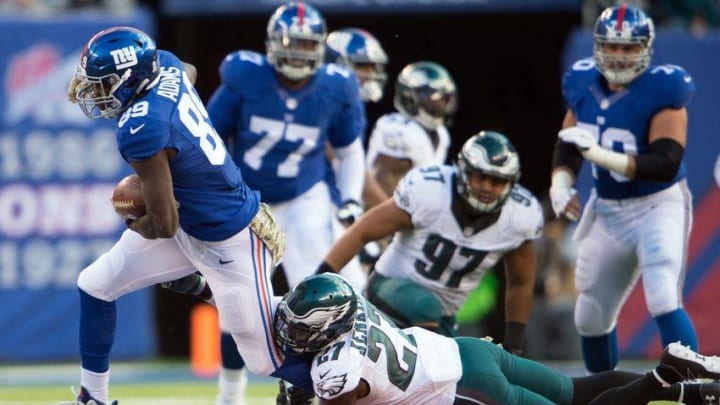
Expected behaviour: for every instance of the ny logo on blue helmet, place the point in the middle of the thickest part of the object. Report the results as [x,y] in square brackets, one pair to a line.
[296,40]
[623,25]
[116,66]
[360,51]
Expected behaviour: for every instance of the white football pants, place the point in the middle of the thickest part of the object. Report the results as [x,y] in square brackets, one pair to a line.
[237,269]
[626,239]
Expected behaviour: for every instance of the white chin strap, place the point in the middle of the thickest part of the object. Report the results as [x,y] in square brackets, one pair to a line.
[371,91]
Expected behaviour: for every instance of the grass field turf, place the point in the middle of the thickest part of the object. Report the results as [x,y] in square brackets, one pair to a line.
[184,393]
[187,393]
[157,383]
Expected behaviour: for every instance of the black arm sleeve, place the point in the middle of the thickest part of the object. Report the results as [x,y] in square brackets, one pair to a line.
[661,163]
[566,154]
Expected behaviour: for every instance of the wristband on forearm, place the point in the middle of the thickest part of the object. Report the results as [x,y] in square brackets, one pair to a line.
[514,334]
[324,267]
[567,155]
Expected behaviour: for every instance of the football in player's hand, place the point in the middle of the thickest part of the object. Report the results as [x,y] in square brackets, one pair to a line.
[127,198]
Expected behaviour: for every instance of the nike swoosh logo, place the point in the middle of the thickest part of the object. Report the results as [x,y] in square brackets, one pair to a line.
[134,131]
[221,261]
[323,375]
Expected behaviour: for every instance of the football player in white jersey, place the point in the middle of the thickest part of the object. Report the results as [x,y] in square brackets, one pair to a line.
[450,225]
[628,118]
[426,98]
[361,357]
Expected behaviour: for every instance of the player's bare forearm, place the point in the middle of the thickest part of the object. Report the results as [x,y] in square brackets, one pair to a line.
[161,220]
[389,171]
[191,71]
[518,303]
[520,274]
[373,194]
[378,223]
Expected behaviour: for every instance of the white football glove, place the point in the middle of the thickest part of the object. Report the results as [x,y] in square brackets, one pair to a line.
[560,197]
[586,143]
[580,137]
[349,212]
[561,192]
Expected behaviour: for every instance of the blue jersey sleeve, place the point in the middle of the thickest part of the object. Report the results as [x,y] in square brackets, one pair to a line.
[674,84]
[223,108]
[575,81]
[141,138]
[350,121]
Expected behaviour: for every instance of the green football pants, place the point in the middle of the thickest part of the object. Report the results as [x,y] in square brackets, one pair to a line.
[494,376]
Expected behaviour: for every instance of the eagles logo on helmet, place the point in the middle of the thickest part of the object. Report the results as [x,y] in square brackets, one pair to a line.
[316,311]
[491,154]
[426,92]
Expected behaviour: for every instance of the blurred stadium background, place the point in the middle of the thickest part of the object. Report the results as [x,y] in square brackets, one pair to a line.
[57,168]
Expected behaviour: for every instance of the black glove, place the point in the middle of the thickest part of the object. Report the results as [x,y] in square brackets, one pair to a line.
[324,267]
[349,212]
[193,284]
[370,253]
[513,340]
[292,395]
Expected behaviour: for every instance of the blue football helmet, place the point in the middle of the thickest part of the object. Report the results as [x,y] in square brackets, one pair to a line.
[116,66]
[623,24]
[426,92]
[296,40]
[314,313]
[360,51]
[492,154]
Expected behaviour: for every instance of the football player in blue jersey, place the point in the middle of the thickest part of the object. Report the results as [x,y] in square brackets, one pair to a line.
[278,112]
[201,215]
[628,118]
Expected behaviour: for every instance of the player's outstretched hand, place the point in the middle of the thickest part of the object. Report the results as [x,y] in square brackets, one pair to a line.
[580,137]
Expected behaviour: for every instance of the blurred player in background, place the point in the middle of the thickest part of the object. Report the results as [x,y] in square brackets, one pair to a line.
[426,98]
[360,51]
[629,120]
[363,357]
[201,215]
[277,112]
[450,225]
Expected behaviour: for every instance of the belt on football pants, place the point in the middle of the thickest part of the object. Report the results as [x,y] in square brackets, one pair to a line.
[267,229]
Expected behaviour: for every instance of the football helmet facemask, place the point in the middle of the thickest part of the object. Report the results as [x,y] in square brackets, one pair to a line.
[623,25]
[491,154]
[360,51]
[116,66]
[296,40]
[314,313]
[426,92]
